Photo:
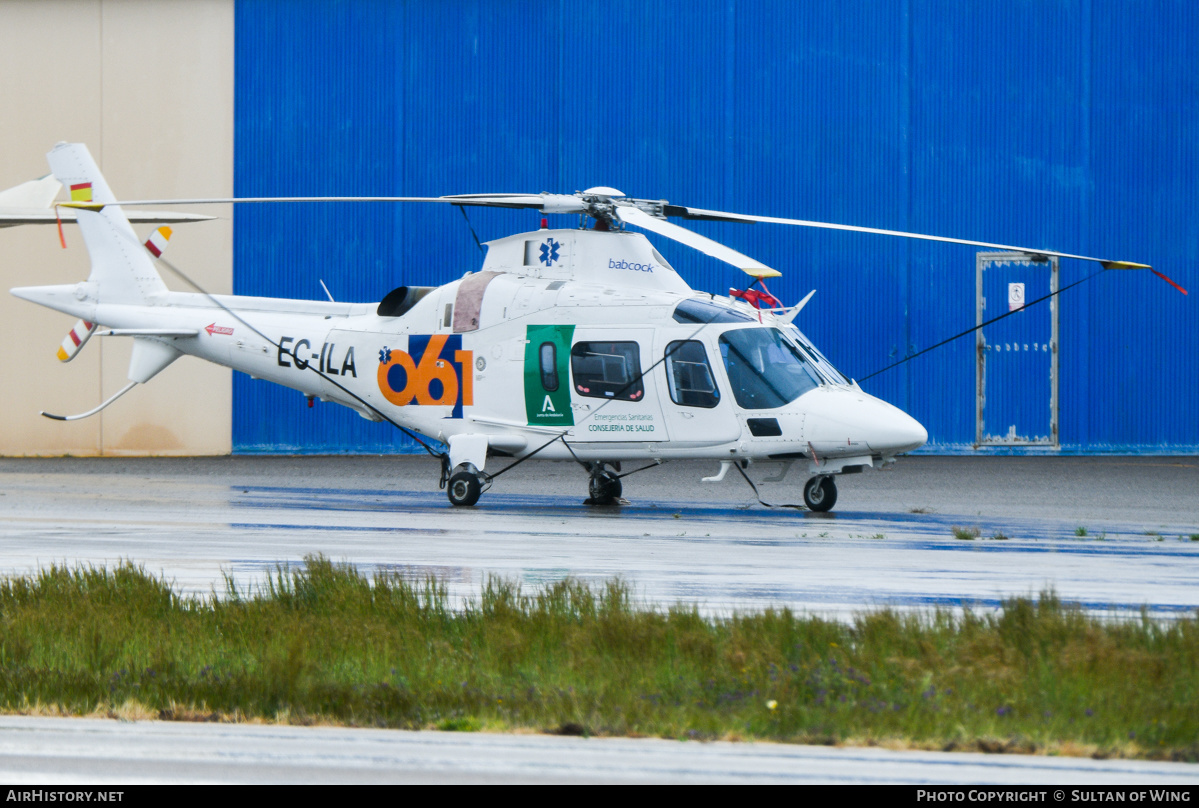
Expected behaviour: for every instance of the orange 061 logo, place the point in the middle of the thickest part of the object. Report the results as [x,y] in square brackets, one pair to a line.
[436,378]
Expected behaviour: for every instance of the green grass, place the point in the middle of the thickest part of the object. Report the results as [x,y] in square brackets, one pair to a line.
[966,533]
[323,643]
[1080,531]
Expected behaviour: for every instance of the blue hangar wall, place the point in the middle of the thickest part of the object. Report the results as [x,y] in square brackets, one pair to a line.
[1068,124]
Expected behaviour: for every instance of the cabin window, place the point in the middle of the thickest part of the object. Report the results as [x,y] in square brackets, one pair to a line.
[689,375]
[549,366]
[607,370]
[765,370]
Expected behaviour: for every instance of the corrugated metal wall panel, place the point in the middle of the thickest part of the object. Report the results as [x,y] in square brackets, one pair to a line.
[317,91]
[1141,378]
[1068,124]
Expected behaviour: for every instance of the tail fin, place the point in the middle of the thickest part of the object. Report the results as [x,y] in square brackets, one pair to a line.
[121,269]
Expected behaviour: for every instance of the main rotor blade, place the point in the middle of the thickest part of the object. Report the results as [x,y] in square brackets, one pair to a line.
[489,200]
[546,203]
[638,217]
[12,219]
[722,216]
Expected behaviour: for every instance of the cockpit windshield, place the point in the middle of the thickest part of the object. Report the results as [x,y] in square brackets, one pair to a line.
[823,366]
[765,370]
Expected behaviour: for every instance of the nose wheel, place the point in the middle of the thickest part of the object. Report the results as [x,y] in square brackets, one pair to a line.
[464,486]
[820,494]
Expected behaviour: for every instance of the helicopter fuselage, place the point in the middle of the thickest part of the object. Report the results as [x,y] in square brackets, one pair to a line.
[582,344]
[586,336]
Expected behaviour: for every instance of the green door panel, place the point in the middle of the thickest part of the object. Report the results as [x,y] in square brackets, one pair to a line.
[545,407]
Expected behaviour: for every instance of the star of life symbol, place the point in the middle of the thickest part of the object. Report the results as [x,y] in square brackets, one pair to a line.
[549,251]
[384,356]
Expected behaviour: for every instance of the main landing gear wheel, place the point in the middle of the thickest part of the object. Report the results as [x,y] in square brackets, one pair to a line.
[820,494]
[604,487]
[464,488]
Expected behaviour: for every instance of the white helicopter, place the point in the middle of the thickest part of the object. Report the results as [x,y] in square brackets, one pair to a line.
[580,344]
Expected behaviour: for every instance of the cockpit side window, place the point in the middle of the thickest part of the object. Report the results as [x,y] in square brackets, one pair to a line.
[765,370]
[689,375]
[607,370]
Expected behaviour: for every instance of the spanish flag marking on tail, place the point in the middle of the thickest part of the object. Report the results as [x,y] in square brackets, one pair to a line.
[81,192]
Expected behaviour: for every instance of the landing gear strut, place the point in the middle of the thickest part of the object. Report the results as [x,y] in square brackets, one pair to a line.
[604,486]
[820,494]
[465,486]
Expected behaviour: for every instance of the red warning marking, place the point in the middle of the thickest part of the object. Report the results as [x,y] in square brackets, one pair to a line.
[157,243]
[213,328]
[1167,280]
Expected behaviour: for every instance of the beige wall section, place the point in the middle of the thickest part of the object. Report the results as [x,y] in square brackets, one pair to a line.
[148,86]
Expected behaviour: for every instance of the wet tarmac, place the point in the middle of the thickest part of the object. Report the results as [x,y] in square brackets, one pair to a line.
[1109,533]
